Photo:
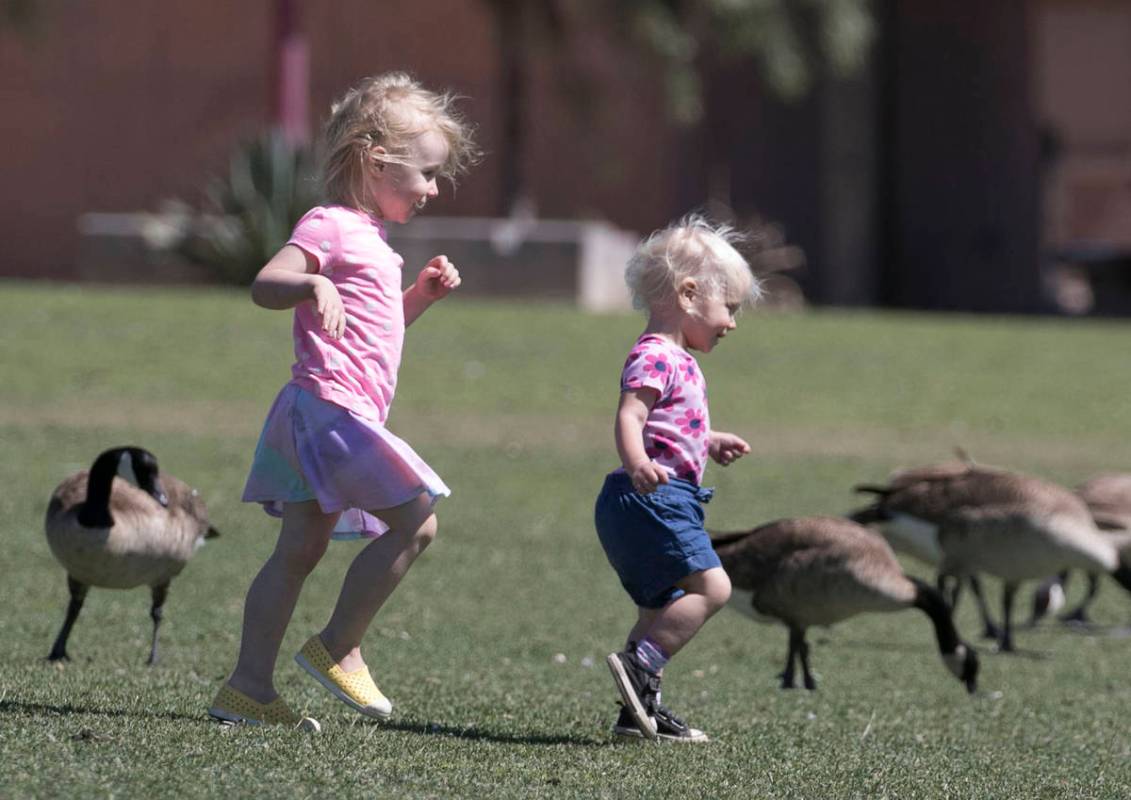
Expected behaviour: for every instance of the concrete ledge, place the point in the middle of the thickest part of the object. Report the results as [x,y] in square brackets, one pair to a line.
[576,261]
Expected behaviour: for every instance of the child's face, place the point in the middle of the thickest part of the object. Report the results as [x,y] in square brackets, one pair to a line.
[401,190]
[708,318]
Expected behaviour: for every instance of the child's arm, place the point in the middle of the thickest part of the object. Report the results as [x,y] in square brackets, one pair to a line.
[726,448]
[291,277]
[434,282]
[632,413]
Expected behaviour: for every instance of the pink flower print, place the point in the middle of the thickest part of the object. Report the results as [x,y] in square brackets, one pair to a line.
[691,423]
[659,448]
[686,471]
[690,374]
[657,366]
[674,399]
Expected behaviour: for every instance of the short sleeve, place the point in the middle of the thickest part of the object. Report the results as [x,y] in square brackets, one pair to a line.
[317,234]
[648,366]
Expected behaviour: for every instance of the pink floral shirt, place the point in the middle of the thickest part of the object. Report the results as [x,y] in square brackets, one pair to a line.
[678,428]
[358,371]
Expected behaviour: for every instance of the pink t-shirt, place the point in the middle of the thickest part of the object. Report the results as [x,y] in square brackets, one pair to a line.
[678,429]
[358,371]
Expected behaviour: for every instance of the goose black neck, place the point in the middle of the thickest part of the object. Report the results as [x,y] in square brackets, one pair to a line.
[934,606]
[95,512]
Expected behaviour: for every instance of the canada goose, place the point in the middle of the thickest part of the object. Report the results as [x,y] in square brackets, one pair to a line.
[821,570]
[911,536]
[991,520]
[108,533]
[1108,497]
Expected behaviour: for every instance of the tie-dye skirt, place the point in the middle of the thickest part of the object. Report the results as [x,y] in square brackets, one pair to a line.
[311,449]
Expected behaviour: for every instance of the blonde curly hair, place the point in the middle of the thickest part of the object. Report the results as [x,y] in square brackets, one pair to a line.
[692,247]
[388,111]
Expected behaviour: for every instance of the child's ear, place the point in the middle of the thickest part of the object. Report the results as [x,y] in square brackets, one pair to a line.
[686,291]
[377,157]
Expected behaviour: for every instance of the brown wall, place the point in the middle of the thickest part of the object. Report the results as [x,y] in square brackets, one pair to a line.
[118,106]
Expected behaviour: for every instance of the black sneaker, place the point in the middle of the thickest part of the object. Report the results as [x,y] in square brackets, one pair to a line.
[669,727]
[636,685]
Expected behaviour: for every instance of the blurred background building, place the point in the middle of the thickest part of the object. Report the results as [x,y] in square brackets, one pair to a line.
[965,155]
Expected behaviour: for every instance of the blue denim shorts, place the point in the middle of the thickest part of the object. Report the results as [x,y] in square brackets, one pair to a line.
[654,540]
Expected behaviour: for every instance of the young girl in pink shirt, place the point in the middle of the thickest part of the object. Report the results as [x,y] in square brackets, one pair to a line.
[325,462]
[649,515]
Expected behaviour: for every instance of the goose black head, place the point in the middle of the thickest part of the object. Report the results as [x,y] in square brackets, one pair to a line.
[146,474]
[140,467]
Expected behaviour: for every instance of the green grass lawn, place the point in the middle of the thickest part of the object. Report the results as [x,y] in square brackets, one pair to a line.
[493,647]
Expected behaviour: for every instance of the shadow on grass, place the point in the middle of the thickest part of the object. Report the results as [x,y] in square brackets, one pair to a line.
[67,709]
[471,733]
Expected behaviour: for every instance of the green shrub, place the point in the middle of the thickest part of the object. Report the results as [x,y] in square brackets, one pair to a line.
[248,214]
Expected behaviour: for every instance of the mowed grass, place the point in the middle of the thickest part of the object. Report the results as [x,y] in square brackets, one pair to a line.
[493,647]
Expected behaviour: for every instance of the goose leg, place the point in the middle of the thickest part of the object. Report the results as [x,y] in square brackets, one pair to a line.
[1007,593]
[78,595]
[795,638]
[156,612]
[948,589]
[1080,613]
[989,629]
[810,684]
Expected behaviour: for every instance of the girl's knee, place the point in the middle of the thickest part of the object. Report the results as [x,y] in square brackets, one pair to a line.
[426,532]
[302,557]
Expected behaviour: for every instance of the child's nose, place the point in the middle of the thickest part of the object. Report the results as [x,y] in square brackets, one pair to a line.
[433,188]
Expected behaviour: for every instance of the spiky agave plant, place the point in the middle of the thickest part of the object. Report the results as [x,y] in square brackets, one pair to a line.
[250,211]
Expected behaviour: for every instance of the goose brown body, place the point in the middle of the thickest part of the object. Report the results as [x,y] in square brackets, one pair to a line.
[147,545]
[1108,497]
[816,571]
[1003,523]
[822,570]
[110,533]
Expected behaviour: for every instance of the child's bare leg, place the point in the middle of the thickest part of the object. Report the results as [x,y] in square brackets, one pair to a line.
[373,576]
[273,594]
[673,625]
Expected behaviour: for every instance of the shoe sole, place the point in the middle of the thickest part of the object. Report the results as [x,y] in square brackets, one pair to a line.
[628,695]
[636,735]
[229,719]
[332,687]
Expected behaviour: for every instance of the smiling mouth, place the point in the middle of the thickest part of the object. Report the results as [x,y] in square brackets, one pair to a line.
[419,205]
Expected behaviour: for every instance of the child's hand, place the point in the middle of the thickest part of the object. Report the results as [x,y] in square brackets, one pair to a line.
[726,448]
[646,476]
[437,279]
[328,306]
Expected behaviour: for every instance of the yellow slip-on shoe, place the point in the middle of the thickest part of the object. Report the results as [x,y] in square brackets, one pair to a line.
[356,689]
[234,706]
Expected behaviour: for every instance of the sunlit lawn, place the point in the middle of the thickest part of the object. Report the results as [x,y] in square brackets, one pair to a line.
[492,649]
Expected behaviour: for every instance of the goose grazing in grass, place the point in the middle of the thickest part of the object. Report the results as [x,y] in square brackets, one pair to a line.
[821,570]
[109,533]
[1002,523]
[1108,497]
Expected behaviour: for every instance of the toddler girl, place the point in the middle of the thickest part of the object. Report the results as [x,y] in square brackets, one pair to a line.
[649,515]
[325,462]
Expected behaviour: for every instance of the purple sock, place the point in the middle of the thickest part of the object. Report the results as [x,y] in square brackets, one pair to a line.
[651,655]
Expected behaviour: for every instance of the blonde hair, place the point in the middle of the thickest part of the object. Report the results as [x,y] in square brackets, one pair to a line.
[695,248]
[388,111]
